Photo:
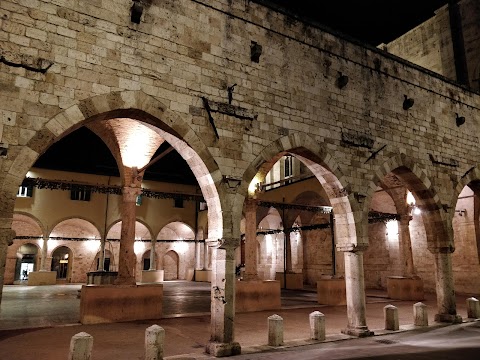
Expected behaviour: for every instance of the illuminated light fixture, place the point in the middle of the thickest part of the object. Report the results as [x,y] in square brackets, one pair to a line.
[410,199]
[136,12]
[232,182]
[255,185]
[342,80]
[407,102]
[460,120]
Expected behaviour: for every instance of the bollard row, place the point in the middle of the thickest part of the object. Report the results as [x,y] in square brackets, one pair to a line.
[81,345]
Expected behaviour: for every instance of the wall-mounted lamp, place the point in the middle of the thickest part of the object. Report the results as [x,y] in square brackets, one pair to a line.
[342,80]
[460,120]
[255,52]
[461,212]
[3,150]
[136,11]
[407,102]
[232,182]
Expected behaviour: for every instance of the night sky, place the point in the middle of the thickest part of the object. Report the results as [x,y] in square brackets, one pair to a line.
[370,21]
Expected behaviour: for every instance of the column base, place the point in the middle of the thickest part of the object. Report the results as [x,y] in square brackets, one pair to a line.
[448,318]
[223,349]
[361,331]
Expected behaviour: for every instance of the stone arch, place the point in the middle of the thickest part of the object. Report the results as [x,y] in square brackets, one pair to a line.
[471,178]
[326,170]
[434,215]
[34,225]
[129,104]
[62,260]
[178,229]
[80,222]
[171,262]
[141,227]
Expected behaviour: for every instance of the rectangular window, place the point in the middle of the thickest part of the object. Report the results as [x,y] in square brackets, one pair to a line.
[288,169]
[178,203]
[80,194]
[25,191]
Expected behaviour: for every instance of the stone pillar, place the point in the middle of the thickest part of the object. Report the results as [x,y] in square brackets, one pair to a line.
[81,346]
[355,292]
[127,258]
[101,259]
[251,272]
[205,256]
[153,260]
[223,299]
[447,311]
[317,326]
[198,248]
[420,314]
[406,255]
[6,239]
[288,252]
[275,330]
[390,313]
[154,341]
[43,260]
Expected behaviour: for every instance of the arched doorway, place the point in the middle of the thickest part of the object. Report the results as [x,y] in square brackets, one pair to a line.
[26,261]
[62,263]
[170,265]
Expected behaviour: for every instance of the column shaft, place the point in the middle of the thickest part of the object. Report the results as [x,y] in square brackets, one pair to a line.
[101,259]
[406,254]
[205,256]
[43,260]
[251,272]
[153,259]
[355,293]
[6,239]
[127,259]
[446,303]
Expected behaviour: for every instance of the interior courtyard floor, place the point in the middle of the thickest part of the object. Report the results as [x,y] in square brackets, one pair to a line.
[41,321]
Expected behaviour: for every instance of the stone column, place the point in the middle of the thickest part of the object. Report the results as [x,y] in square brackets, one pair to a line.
[6,239]
[127,259]
[205,255]
[251,272]
[406,254]
[101,259]
[355,291]
[223,300]
[43,260]
[447,311]
[153,260]
[198,248]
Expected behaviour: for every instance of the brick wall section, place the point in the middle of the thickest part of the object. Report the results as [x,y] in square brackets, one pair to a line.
[186,49]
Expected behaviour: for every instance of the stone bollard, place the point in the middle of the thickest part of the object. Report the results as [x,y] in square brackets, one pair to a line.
[81,346]
[390,313]
[275,330]
[420,315]
[154,339]
[473,308]
[317,326]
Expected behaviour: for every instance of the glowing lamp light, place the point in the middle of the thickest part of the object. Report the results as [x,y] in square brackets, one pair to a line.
[92,245]
[181,247]
[410,199]
[136,151]
[253,187]
[417,211]
[138,247]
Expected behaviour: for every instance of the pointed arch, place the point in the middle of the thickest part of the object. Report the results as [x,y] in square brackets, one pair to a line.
[129,104]
[323,165]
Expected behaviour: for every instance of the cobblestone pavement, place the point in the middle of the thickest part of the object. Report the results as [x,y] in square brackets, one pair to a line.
[46,318]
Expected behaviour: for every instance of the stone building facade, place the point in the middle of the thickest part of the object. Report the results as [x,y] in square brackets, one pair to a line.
[168,68]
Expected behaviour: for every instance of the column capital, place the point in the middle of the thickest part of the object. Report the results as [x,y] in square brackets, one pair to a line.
[405,219]
[225,243]
[7,236]
[251,204]
[352,247]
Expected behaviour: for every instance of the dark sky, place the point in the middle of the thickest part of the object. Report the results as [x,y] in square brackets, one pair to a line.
[370,21]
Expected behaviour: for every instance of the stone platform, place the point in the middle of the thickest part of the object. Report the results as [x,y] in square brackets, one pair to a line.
[331,292]
[36,278]
[115,303]
[405,288]
[257,295]
[152,276]
[294,280]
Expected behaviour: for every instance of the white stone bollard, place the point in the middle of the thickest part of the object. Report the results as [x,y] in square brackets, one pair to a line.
[275,330]
[420,314]
[391,317]
[473,308]
[154,339]
[81,346]
[317,326]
